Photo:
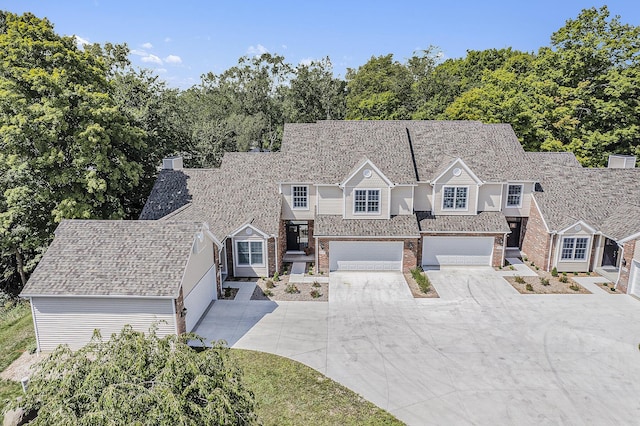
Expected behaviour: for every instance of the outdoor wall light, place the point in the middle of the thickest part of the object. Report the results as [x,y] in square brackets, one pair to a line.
[183,312]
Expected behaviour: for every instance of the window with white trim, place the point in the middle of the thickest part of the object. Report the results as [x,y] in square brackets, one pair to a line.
[300,197]
[250,253]
[574,248]
[514,195]
[454,197]
[366,201]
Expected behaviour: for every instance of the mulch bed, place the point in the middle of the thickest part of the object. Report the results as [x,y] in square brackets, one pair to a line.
[609,288]
[230,291]
[415,289]
[278,292]
[555,285]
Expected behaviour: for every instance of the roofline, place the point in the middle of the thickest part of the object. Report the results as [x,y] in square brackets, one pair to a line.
[458,159]
[578,222]
[465,232]
[357,169]
[176,211]
[244,225]
[365,237]
[546,225]
[99,296]
[629,238]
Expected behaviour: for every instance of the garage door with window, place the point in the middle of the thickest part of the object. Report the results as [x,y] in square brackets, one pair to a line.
[365,255]
[443,251]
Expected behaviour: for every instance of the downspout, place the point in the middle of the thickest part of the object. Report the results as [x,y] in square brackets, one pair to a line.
[504,248]
[35,325]
[620,267]
[551,235]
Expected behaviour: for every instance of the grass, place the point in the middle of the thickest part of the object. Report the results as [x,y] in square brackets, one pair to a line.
[290,393]
[421,279]
[16,336]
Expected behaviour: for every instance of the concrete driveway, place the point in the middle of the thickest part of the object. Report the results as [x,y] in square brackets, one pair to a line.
[481,354]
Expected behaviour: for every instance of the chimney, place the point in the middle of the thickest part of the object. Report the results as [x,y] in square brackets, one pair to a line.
[172,163]
[618,161]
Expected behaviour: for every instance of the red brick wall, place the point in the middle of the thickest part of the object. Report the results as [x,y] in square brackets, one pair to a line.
[229,258]
[536,239]
[271,253]
[282,243]
[623,282]
[410,252]
[498,244]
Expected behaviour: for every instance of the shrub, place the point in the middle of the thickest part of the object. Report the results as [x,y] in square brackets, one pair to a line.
[315,294]
[529,287]
[291,289]
[512,267]
[276,276]
[533,264]
[554,272]
[612,289]
[588,273]
[575,273]
[537,268]
[421,279]
[563,279]
[525,258]
[519,279]
[574,287]
[605,284]
[316,284]
[544,281]
[268,292]
[270,284]
[227,292]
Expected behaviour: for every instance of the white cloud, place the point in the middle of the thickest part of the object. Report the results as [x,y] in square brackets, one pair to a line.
[81,41]
[284,46]
[152,59]
[147,45]
[257,50]
[161,70]
[138,52]
[306,61]
[167,39]
[173,59]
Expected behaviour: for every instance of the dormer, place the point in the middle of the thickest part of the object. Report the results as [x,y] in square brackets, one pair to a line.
[366,192]
[455,190]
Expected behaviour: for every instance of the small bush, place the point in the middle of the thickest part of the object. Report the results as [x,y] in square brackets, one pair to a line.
[554,272]
[227,292]
[574,287]
[268,292]
[563,279]
[276,276]
[612,289]
[270,284]
[525,258]
[544,281]
[519,279]
[291,289]
[315,294]
[533,264]
[575,273]
[588,273]
[316,284]
[421,279]
[512,267]
[537,268]
[529,287]
[605,284]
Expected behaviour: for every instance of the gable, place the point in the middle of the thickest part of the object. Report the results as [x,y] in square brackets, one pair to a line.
[457,173]
[366,175]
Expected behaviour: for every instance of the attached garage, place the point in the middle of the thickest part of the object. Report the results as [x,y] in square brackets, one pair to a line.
[365,255]
[634,278]
[199,299]
[444,251]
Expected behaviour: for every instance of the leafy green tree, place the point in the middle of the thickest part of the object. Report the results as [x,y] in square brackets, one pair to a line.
[66,150]
[379,90]
[139,379]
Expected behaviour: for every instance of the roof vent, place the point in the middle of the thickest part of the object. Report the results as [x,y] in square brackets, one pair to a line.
[172,163]
[617,161]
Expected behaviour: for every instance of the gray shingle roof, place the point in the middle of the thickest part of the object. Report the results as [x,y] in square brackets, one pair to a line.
[482,222]
[560,158]
[114,258]
[334,225]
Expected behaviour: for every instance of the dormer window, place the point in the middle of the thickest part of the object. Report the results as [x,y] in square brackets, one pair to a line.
[514,196]
[366,201]
[301,197]
[454,197]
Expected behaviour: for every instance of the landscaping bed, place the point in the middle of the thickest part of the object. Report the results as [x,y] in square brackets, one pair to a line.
[609,288]
[416,291]
[283,290]
[546,283]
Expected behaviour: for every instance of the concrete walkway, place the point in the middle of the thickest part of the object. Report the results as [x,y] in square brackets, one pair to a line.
[482,354]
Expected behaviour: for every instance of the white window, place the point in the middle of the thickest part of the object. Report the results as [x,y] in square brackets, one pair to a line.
[574,249]
[366,201]
[514,196]
[249,253]
[300,197]
[454,198]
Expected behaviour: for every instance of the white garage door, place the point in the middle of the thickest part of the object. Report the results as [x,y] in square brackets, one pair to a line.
[198,300]
[442,251]
[365,255]
[634,278]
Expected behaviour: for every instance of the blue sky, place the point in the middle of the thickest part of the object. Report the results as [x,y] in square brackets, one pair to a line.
[183,40]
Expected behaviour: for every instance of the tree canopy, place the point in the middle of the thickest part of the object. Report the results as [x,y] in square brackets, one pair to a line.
[139,379]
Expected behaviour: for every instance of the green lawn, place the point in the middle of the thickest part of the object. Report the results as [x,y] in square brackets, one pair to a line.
[290,393]
[16,336]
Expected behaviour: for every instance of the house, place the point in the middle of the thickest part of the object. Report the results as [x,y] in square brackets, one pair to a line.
[393,195]
[103,274]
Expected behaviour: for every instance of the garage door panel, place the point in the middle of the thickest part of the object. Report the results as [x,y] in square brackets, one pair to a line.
[365,255]
[199,299]
[442,251]
[634,278]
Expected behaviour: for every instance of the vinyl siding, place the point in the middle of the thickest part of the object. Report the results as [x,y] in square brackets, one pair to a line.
[330,200]
[401,200]
[573,266]
[523,211]
[489,197]
[288,212]
[200,261]
[422,197]
[250,271]
[449,179]
[358,181]
[72,321]
[636,252]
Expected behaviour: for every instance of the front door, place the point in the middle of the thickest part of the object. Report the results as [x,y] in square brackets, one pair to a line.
[610,254]
[513,240]
[293,237]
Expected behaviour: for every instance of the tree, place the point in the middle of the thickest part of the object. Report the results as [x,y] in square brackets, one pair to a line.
[140,379]
[66,150]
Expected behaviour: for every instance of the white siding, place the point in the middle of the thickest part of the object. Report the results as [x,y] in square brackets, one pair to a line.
[573,266]
[288,212]
[489,197]
[422,197]
[200,261]
[449,179]
[330,200]
[250,270]
[401,200]
[199,299]
[359,181]
[72,320]
[636,252]
[522,211]
[634,278]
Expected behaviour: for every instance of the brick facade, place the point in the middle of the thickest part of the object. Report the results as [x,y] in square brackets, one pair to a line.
[271,254]
[627,259]
[498,244]
[229,245]
[535,243]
